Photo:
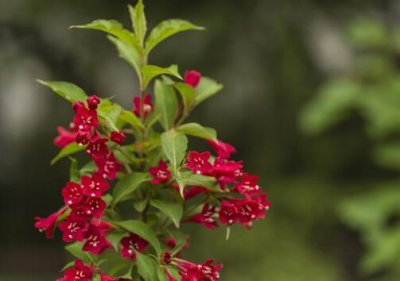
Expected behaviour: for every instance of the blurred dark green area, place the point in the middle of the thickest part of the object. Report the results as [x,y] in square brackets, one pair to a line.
[311,102]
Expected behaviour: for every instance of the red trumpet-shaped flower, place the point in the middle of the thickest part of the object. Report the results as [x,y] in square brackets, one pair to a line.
[118,137]
[94,186]
[72,193]
[95,241]
[97,148]
[147,106]
[198,272]
[132,243]
[206,217]
[73,228]
[198,162]
[108,166]
[47,224]
[228,213]
[64,137]
[79,272]
[160,173]
[248,185]
[223,149]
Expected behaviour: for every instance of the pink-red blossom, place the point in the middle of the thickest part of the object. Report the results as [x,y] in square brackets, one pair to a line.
[132,243]
[198,162]
[223,149]
[47,224]
[79,272]
[192,78]
[118,137]
[160,173]
[147,106]
[64,137]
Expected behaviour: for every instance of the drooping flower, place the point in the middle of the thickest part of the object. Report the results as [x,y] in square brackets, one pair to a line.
[95,243]
[160,173]
[94,186]
[147,105]
[199,272]
[223,149]
[64,137]
[192,78]
[79,272]
[107,166]
[73,228]
[198,162]
[93,101]
[72,193]
[118,137]
[132,243]
[97,148]
[206,217]
[47,224]
[248,185]
[228,212]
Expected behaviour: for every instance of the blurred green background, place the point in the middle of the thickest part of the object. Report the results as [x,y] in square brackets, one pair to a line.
[311,102]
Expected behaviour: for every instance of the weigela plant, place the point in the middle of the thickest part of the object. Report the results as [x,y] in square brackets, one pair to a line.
[123,207]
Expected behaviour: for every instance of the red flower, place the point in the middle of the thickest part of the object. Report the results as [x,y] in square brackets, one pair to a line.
[199,272]
[83,136]
[73,228]
[249,210]
[97,148]
[223,149]
[248,185]
[193,191]
[94,206]
[95,241]
[104,277]
[228,213]
[171,242]
[167,257]
[118,137]
[47,224]
[132,243]
[192,78]
[80,272]
[198,162]
[206,217]
[84,118]
[107,166]
[147,105]
[93,101]
[64,138]
[160,173]
[94,186]
[72,193]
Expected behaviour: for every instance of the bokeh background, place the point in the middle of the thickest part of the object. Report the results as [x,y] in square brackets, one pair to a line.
[311,102]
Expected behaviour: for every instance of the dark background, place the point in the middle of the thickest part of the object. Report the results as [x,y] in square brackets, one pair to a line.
[272,56]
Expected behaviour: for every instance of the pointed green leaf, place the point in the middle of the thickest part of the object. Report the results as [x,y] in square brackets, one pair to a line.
[67,90]
[75,249]
[115,237]
[162,276]
[197,130]
[166,103]
[173,210]
[174,145]
[187,94]
[206,88]
[74,171]
[130,118]
[128,53]
[109,109]
[127,185]
[138,19]
[147,267]
[143,230]
[111,27]
[71,148]
[166,29]
[149,72]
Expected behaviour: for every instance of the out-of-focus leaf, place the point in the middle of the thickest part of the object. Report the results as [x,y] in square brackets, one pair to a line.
[166,29]
[206,89]
[66,90]
[388,155]
[197,130]
[174,145]
[130,118]
[75,249]
[74,171]
[187,95]
[67,150]
[138,19]
[149,72]
[147,267]
[127,185]
[166,104]
[173,210]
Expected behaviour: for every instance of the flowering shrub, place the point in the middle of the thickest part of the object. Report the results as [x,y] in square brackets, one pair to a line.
[123,208]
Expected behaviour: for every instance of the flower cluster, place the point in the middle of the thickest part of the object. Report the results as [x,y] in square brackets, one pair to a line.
[123,208]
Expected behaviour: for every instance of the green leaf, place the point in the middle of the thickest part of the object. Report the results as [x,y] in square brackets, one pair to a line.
[130,118]
[147,267]
[166,103]
[143,230]
[187,94]
[112,27]
[173,210]
[74,171]
[128,53]
[174,145]
[206,89]
[115,237]
[75,249]
[162,276]
[66,90]
[67,150]
[197,130]
[200,180]
[110,110]
[88,168]
[166,29]
[149,72]
[138,19]
[127,185]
